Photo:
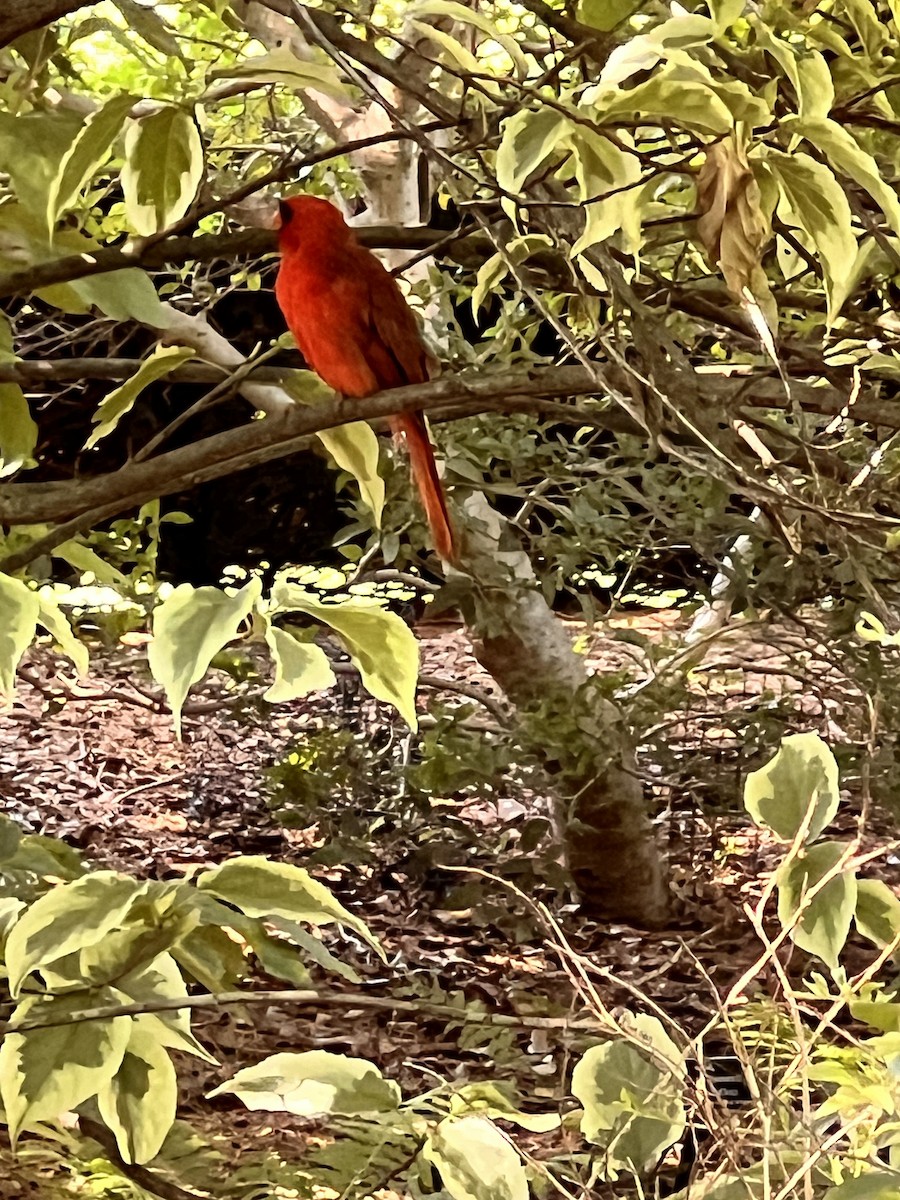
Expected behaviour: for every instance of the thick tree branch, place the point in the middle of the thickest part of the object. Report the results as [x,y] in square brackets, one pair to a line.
[154,256]
[21,16]
[81,502]
[263,441]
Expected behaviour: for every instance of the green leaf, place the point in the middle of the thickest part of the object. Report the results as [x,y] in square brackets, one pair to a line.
[472,16]
[68,918]
[601,167]
[674,93]
[138,1103]
[10,911]
[282,66]
[806,69]
[605,15]
[90,147]
[31,149]
[122,295]
[642,53]
[880,1014]
[150,26]
[458,53]
[18,429]
[261,888]
[821,208]
[277,957]
[725,12]
[530,136]
[57,625]
[48,1072]
[10,836]
[493,1100]
[300,667]
[120,401]
[19,610]
[354,448]
[873,1185]
[381,645]
[632,1102]
[162,980]
[84,559]
[825,922]
[189,628]
[491,271]
[877,911]
[312,1084]
[803,774]
[163,168]
[312,948]
[48,857]
[476,1161]
[848,158]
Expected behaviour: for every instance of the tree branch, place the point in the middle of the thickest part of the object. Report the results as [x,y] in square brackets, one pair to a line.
[80,503]
[175,251]
[364,53]
[275,437]
[146,1179]
[596,45]
[21,16]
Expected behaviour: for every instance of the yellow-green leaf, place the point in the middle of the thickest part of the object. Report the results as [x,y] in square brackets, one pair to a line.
[18,430]
[161,362]
[49,1072]
[821,207]
[354,448]
[90,147]
[57,625]
[163,168]
[476,1161]
[824,922]
[473,16]
[300,667]
[382,646]
[800,777]
[189,628]
[847,156]
[19,610]
[282,66]
[138,1103]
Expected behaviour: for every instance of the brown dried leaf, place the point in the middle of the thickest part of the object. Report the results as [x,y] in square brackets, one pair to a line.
[733,227]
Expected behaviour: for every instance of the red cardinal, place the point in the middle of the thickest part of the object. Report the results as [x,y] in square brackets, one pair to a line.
[356,331]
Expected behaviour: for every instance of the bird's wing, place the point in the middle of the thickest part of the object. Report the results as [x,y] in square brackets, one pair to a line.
[392,341]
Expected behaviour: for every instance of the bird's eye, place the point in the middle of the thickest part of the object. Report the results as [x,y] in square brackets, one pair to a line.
[285,212]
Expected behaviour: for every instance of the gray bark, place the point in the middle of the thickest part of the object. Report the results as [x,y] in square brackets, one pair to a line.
[611,851]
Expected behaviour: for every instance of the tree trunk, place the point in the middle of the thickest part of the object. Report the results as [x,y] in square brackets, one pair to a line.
[610,847]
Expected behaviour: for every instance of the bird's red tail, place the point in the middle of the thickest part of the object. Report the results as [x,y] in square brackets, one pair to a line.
[424,471]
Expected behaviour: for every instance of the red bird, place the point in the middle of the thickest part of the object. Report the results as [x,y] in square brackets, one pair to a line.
[356,331]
